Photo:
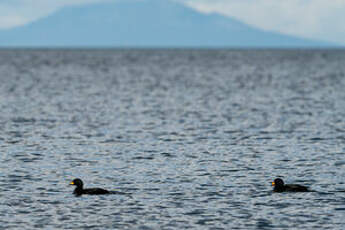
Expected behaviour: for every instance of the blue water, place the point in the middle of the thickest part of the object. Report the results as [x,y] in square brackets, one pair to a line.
[194,136]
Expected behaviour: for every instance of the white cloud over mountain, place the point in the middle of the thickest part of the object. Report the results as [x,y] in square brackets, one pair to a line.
[316,19]
[20,12]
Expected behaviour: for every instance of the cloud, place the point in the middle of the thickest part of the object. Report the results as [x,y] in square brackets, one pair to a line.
[316,19]
[20,12]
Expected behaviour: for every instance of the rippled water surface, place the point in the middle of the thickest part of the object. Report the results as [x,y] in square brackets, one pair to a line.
[194,136]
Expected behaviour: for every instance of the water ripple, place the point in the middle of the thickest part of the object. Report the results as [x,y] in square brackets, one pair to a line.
[195,138]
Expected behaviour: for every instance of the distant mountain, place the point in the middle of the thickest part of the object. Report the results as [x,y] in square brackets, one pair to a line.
[150,23]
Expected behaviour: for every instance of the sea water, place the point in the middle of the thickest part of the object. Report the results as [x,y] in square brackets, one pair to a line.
[194,136]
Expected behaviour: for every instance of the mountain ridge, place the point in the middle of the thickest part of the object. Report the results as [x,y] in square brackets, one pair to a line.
[149,23]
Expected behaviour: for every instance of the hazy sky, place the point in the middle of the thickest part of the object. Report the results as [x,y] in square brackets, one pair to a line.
[316,19]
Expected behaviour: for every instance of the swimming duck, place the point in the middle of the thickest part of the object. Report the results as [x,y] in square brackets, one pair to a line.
[279,186]
[79,190]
